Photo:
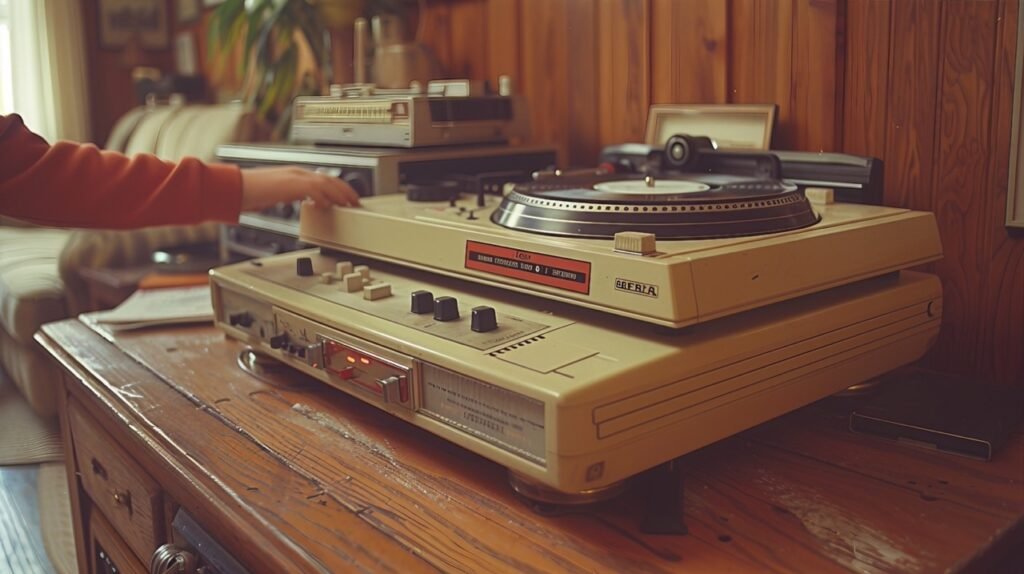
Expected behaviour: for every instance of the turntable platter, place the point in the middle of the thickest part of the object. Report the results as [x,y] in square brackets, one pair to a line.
[692,206]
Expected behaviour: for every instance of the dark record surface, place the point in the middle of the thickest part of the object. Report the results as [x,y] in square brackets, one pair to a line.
[690,206]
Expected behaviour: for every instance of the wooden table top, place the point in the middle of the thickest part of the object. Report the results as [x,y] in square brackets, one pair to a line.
[309,479]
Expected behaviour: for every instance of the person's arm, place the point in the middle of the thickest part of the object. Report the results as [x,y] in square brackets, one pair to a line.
[78,185]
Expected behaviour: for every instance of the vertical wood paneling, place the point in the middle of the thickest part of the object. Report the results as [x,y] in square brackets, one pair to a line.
[912,105]
[1004,297]
[545,83]
[760,60]
[469,40]
[867,77]
[110,83]
[435,31]
[816,73]
[584,119]
[961,198]
[503,49]
[623,40]
[689,51]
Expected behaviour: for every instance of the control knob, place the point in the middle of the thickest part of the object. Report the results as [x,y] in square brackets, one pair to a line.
[484,319]
[422,302]
[304,266]
[446,309]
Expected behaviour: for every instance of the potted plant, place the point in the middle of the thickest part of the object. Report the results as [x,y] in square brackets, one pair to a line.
[285,46]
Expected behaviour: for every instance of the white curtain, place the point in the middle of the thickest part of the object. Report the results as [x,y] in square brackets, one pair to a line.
[48,68]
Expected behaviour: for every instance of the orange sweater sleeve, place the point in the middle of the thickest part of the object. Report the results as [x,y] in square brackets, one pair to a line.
[78,185]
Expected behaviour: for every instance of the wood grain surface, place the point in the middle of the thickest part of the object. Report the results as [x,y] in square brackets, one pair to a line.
[623,51]
[866,86]
[689,52]
[761,61]
[1002,333]
[307,477]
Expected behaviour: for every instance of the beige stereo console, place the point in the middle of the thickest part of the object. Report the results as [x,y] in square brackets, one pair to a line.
[579,362]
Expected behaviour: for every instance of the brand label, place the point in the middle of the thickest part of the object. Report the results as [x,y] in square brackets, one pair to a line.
[636,287]
[568,274]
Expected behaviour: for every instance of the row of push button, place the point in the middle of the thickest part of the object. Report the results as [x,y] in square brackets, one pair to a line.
[352,278]
[355,278]
[446,309]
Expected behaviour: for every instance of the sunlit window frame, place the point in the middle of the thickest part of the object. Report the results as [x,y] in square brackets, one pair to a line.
[5,15]
[1015,187]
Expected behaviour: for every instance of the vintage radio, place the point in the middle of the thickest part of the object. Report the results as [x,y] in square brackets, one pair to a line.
[444,112]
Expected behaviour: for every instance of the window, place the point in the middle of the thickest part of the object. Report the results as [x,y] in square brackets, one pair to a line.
[6,75]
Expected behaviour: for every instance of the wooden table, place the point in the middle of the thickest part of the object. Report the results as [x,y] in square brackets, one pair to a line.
[308,479]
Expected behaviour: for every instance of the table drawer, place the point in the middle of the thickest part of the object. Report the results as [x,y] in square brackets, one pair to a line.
[108,554]
[116,484]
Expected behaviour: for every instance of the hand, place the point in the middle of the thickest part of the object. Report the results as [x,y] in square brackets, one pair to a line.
[263,187]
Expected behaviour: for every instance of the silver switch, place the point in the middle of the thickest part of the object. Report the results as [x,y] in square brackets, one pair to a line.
[391,388]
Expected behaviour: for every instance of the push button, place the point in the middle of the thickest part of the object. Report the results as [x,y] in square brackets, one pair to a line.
[484,319]
[343,268]
[279,341]
[378,291]
[422,302]
[352,282]
[446,309]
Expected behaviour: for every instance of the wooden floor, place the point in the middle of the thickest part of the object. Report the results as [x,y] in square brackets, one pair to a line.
[21,542]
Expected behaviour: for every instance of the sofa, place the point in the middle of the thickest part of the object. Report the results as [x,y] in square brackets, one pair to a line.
[40,268]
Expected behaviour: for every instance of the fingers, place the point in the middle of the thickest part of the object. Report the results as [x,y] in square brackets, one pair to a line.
[326,191]
[264,187]
[342,193]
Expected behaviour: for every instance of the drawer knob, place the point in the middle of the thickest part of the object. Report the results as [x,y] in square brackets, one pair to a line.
[169,559]
[98,469]
[123,498]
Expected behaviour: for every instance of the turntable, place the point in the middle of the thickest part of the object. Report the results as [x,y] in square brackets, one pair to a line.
[584,327]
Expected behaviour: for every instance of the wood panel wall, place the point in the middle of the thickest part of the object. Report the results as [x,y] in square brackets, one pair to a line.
[926,85]
[111,91]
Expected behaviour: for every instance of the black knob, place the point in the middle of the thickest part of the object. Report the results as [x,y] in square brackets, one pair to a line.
[484,319]
[279,341]
[446,309]
[422,302]
[304,266]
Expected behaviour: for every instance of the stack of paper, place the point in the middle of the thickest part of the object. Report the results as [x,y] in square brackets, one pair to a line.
[152,307]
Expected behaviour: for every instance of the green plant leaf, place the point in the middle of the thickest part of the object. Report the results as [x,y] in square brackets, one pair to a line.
[281,82]
[261,9]
[267,31]
[309,23]
[225,17]
[272,25]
